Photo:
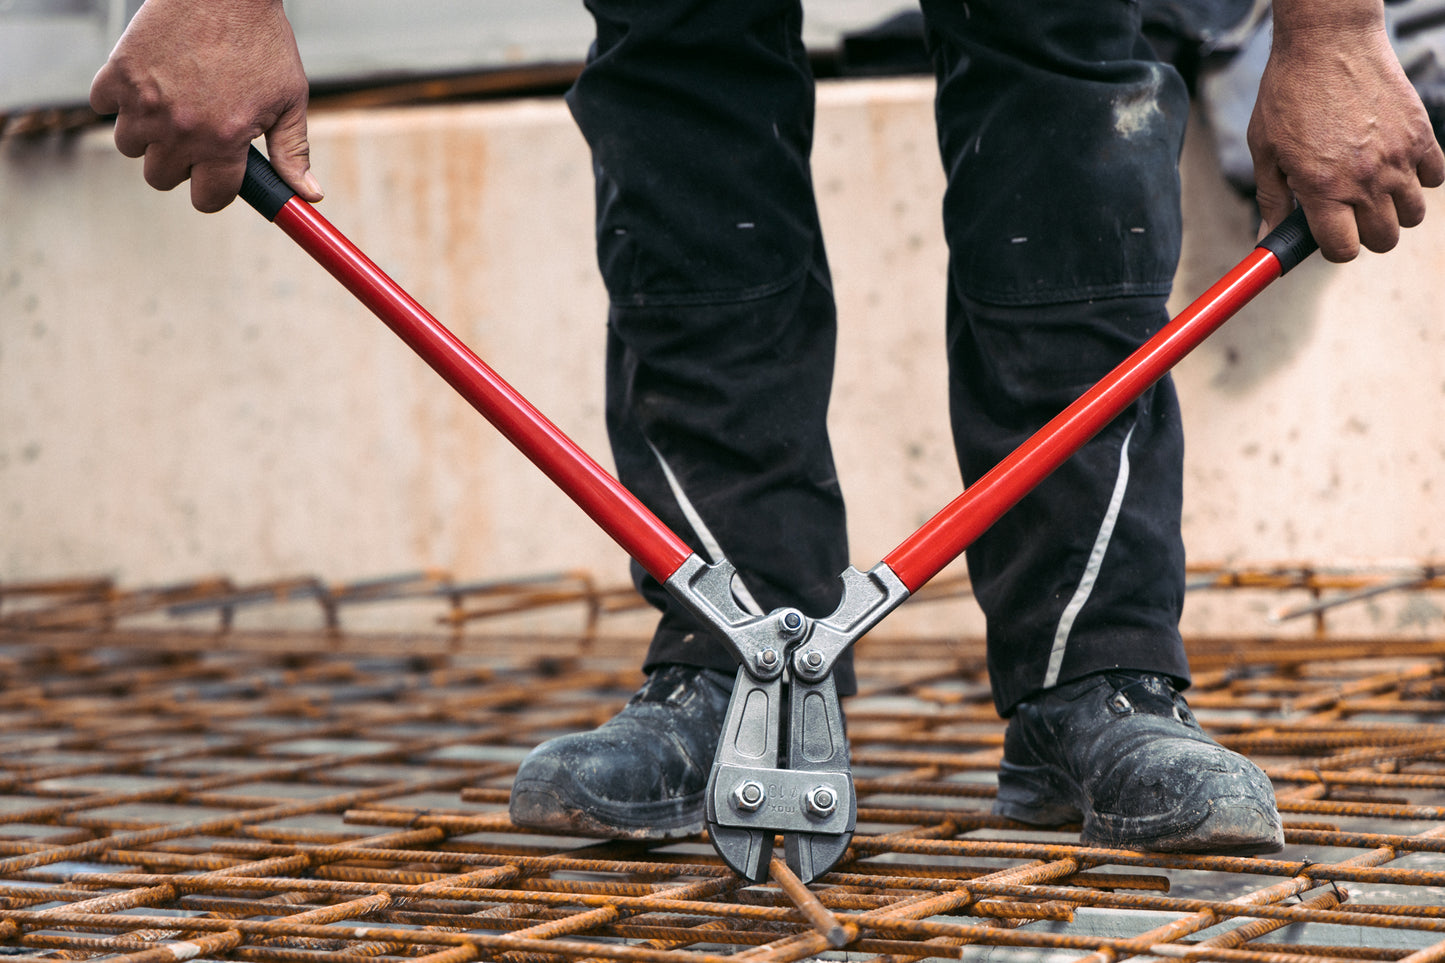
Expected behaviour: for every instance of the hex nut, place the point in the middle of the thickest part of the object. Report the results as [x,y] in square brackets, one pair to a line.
[821,802]
[748,797]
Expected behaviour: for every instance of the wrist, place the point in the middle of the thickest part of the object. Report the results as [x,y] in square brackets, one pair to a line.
[1326,18]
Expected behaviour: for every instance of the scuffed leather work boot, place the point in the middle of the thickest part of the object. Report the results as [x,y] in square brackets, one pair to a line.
[640,775]
[1122,752]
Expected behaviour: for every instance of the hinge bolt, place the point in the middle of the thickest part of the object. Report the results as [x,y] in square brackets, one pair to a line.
[792,626]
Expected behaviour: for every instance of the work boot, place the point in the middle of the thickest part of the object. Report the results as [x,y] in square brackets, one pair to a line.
[1122,752]
[640,775]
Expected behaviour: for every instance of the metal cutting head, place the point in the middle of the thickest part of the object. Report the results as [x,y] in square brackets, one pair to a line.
[782,764]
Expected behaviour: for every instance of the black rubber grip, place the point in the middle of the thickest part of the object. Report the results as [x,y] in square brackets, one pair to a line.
[263,188]
[1291,242]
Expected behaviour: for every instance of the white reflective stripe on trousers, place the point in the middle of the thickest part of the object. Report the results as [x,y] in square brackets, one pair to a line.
[709,541]
[1091,570]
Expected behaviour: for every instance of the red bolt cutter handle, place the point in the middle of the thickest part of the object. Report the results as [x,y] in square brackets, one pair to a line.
[945,536]
[630,523]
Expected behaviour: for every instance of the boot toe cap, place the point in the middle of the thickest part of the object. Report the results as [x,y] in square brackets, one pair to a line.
[1194,797]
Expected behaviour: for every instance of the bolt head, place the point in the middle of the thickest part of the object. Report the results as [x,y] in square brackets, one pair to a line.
[821,801]
[813,659]
[748,797]
[768,658]
[792,625]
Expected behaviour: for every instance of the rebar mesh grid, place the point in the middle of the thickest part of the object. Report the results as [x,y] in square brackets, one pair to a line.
[175,786]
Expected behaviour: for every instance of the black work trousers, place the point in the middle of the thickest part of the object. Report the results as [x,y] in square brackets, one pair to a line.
[1060,137]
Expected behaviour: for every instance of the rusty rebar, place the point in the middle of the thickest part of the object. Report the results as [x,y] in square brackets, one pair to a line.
[299,793]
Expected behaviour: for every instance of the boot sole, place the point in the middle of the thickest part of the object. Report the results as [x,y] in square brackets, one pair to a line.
[1229,825]
[539,806]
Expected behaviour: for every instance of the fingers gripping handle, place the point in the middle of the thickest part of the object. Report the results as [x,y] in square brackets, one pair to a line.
[263,188]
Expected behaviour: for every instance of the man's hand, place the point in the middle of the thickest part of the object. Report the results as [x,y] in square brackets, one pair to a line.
[193,82]
[1339,128]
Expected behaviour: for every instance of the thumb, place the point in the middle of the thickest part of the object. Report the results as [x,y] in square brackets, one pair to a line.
[290,153]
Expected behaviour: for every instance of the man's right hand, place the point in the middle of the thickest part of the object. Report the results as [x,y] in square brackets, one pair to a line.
[1338,129]
[193,82]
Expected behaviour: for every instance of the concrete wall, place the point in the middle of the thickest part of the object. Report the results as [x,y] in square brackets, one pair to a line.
[183,394]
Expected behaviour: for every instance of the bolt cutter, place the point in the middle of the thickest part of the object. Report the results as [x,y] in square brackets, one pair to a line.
[782,765]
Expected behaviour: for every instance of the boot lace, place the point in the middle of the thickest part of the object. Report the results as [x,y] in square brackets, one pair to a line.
[1151,694]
